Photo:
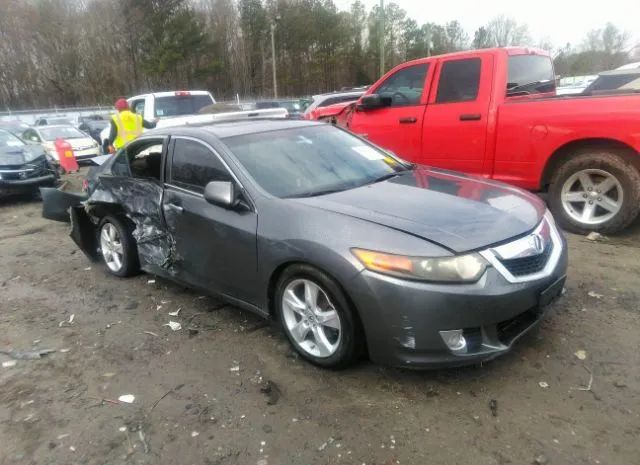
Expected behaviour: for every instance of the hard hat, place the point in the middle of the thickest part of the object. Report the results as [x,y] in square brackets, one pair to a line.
[121,104]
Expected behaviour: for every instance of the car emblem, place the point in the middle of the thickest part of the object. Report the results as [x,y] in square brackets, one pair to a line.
[537,243]
[22,175]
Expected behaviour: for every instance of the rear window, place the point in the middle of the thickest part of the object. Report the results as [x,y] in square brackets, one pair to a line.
[530,74]
[178,105]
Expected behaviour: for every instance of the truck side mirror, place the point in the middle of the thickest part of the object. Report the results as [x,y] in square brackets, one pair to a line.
[374,101]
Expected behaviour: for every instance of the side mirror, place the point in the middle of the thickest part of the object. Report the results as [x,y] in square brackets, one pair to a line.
[374,101]
[220,193]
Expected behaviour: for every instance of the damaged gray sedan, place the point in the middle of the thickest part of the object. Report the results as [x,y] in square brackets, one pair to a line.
[351,249]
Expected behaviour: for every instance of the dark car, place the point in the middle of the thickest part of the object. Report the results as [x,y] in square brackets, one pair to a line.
[94,127]
[352,249]
[23,167]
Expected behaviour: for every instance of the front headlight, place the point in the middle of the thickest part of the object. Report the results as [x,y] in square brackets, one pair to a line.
[458,269]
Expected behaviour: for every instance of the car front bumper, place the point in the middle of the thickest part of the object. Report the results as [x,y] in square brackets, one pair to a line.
[403,319]
[26,184]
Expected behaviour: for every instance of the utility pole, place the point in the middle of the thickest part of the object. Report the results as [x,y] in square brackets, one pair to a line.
[381,38]
[273,59]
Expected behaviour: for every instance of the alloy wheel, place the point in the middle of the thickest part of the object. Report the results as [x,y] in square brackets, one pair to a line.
[111,247]
[592,196]
[310,318]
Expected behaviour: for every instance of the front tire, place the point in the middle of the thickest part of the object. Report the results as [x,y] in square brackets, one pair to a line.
[595,191]
[317,318]
[118,247]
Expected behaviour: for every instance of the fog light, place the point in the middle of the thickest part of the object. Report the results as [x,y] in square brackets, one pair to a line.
[454,340]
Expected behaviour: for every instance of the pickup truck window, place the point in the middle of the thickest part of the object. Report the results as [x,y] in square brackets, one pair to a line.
[459,81]
[530,74]
[405,86]
[178,105]
[193,166]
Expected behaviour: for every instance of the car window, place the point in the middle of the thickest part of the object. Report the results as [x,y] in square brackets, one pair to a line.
[63,132]
[120,165]
[145,159]
[177,105]
[404,87]
[308,161]
[459,81]
[529,74]
[31,135]
[138,106]
[194,165]
[9,140]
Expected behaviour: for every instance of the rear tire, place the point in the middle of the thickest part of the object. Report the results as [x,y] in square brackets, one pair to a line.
[327,334]
[595,190]
[118,247]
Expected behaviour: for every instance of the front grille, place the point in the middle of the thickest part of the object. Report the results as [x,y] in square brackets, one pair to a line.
[34,169]
[528,265]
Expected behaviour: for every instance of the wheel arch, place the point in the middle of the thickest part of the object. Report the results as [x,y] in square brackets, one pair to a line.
[564,152]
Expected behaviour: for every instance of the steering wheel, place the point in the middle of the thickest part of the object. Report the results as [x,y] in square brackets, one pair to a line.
[401,95]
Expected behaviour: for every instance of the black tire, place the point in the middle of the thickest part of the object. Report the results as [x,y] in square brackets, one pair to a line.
[352,343]
[130,262]
[612,161]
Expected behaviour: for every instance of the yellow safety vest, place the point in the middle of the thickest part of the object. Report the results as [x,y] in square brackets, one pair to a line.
[129,126]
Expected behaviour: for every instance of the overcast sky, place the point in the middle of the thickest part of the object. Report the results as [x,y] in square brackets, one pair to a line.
[561,21]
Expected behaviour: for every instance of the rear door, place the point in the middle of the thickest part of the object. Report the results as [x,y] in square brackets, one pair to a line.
[455,123]
[215,247]
[398,127]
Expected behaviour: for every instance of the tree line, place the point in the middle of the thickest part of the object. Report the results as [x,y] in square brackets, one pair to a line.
[73,52]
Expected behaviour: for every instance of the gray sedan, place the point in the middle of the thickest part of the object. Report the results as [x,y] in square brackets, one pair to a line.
[349,248]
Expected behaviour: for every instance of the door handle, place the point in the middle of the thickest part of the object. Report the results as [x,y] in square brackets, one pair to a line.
[470,117]
[176,208]
[408,120]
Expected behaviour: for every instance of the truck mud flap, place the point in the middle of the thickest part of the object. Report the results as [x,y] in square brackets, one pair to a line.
[84,232]
[56,203]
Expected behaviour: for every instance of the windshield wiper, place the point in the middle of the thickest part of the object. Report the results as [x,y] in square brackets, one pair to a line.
[316,193]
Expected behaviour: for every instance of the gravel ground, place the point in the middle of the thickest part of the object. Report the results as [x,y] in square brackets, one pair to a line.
[227,389]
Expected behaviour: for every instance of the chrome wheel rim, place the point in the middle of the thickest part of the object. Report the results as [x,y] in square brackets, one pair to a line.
[111,247]
[311,319]
[592,196]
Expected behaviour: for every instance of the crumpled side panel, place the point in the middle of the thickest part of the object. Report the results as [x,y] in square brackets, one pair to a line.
[141,202]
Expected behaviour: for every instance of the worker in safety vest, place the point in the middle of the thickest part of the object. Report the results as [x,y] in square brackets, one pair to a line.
[125,126]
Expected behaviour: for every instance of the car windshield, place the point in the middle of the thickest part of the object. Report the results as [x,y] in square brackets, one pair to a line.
[65,132]
[530,74]
[310,161]
[630,81]
[8,140]
[291,106]
[177,105]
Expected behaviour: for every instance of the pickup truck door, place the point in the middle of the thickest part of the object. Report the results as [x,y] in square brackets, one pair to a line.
[215,248]
[397,127]
[455,122]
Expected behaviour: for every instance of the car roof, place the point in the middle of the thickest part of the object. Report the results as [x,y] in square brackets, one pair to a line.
[54,126]
[243,127]
[169,93]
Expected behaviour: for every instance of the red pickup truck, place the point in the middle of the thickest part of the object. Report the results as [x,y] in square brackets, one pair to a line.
[494,113]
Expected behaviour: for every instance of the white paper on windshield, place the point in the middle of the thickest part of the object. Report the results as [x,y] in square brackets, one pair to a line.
[14,143]
[368,152]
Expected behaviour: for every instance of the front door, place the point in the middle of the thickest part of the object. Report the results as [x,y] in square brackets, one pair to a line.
[455,123]
[398,127]
[215,248]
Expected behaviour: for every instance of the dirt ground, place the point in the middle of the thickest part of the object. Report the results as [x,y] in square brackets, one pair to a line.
[227,389]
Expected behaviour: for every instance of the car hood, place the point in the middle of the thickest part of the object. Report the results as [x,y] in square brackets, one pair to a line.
[81,143]
[16,156]
[458,212]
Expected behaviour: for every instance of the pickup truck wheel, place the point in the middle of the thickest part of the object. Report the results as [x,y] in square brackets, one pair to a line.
[118,247]
[595,191]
